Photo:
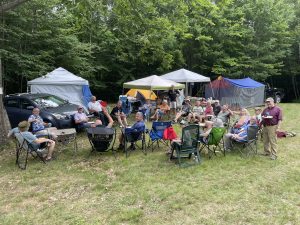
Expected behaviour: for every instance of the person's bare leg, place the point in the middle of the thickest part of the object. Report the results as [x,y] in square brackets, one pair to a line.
[120,121]
[178,115]
[125,121]
[50,150]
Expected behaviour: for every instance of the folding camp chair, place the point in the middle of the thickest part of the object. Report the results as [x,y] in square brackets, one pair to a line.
[24,148]
[249,146]
[215,141]
[187,146]
[156,133]
[134,138]
[102,139]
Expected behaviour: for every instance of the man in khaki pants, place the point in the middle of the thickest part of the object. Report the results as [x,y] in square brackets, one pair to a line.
[271,120]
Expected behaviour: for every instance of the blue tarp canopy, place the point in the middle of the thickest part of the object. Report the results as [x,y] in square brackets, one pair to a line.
[236,92]
[245,83]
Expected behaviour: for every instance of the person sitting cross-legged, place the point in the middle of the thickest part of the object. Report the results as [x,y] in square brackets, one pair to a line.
[162,110]
[137,127]
[35,142]
[82,121]
[118,114]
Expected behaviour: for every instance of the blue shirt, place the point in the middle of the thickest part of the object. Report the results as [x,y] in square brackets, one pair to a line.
[137,127]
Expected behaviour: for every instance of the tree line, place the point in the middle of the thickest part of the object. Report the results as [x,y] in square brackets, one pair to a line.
[109,42]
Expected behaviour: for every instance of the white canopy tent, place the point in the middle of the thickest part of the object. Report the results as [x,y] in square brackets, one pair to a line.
[64,84]
[153,82]
[185,76]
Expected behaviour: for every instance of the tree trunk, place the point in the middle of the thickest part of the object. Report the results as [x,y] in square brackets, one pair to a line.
[10,5]
[4,121]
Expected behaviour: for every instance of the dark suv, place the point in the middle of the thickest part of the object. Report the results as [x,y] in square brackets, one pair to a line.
[52,109]
[276,93]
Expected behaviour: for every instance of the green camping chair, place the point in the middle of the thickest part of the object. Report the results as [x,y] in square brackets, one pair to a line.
[187,147]
[215,141]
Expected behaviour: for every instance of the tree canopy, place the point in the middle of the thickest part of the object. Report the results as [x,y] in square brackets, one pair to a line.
[112,41]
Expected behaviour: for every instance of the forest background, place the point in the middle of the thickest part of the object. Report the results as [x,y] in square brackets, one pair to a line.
[109,42]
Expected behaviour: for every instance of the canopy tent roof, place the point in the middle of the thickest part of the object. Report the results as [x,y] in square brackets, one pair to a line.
[153,82]
[59,76]
[236,92]
[245,83]
[147,94]
[185,76]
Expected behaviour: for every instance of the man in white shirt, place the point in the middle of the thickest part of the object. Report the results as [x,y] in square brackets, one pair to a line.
[98,110]
[94,106]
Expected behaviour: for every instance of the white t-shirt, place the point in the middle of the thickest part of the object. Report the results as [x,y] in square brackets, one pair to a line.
[198,110]
[95,106]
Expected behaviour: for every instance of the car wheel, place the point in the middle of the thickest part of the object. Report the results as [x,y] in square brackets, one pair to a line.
[277,98]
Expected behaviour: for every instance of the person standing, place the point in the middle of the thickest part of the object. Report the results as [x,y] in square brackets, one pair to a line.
[173,99]
[271,120]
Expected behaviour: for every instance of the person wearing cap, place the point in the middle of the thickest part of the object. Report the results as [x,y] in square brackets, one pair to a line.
[271,121]
[82,121]
[185,110]
[172,93]
[162,110]
[35,142]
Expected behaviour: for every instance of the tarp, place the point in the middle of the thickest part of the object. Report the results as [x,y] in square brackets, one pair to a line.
[153,82]
[146,94]
[185,76]
[236,92]
[64,84]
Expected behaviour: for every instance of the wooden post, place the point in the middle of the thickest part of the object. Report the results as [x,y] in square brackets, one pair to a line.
[4,121]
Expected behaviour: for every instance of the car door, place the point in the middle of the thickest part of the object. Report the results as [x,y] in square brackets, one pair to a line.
[26,108]
[12,106]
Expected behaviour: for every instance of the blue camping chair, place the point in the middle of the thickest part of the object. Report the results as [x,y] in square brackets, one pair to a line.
[132,136]
[156,133]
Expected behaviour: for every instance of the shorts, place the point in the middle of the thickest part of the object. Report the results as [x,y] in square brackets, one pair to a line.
[173,105]
[160,112]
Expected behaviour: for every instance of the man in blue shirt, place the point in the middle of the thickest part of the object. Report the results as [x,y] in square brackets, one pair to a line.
[35,142]
[136,128]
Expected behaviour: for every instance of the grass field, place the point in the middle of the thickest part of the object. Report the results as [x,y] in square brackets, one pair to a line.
[99,189]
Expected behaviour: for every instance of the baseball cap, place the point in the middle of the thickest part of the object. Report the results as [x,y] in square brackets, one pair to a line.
[269,99]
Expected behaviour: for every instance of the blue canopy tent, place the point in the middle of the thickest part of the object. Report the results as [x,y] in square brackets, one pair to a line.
[236,92]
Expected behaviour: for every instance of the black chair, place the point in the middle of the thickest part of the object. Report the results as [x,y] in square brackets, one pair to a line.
[24,148]
[187,146]
[101,138]
[249,146]
[134,137]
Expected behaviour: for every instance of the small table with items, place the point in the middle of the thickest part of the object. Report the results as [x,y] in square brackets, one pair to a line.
[66,136]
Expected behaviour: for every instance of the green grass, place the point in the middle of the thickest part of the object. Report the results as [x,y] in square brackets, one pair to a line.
[99,189]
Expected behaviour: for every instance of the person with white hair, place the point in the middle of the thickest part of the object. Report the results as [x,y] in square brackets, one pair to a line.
[162,110]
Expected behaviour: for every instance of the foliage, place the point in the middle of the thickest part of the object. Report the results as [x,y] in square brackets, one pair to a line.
[112,41]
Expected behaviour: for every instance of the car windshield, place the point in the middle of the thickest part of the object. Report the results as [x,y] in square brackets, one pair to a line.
[49,101]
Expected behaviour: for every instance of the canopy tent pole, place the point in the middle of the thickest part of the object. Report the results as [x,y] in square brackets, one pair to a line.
[186,89]
[212,90]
